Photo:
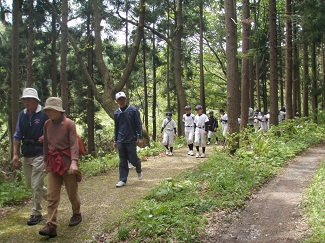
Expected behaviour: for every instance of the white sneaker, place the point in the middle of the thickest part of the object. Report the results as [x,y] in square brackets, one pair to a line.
[216,143]
[203,155]
[130,166]
[170,154]
[197,155]
[208,143]
[140,175]
[167,152]
[191,153]
[120,184]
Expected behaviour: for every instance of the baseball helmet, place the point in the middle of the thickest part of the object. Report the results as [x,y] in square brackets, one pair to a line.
[188,107]
[168,113]
[198,107]
[211,112]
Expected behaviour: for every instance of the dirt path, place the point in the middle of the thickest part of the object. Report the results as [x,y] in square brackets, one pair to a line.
[102,203]
[271,216]
[274,214]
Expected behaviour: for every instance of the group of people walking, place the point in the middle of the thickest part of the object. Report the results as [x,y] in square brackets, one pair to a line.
[49,147]
[199,130]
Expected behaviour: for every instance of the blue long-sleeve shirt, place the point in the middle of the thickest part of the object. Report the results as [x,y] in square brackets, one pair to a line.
[128,125]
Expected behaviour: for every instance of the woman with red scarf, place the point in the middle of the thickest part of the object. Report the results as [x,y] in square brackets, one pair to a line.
[61,163]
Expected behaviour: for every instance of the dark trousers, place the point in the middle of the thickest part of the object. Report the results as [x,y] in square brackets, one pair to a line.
[128,153]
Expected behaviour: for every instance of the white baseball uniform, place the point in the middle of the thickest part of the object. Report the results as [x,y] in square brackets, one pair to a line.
[200,121]
[168,137]
[188,120]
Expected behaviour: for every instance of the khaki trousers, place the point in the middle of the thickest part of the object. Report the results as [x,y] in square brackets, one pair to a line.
[34,177]
[54,184]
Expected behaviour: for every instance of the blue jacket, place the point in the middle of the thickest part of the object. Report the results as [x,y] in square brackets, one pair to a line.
[128,125]
[28,130]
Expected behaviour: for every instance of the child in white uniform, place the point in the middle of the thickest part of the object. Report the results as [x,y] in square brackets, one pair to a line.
[201,128]
[169,132]
[188,119]
[224,122]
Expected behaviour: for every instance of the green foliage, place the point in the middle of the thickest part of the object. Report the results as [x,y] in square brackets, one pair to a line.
[90,166]
[174,210]
[149,151]
[314,206]
[13,192]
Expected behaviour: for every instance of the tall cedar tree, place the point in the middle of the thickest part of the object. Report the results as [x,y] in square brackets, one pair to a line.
[288,89]
[233,94]
[273,64]
[245,82]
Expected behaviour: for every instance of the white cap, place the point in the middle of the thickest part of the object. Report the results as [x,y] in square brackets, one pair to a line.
[30,93]
[120,95]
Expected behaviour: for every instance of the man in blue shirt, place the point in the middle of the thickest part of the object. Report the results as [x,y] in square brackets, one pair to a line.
[29,132]
[128,129]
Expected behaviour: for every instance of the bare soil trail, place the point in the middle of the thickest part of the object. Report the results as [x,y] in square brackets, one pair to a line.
[101,202]
[274,213]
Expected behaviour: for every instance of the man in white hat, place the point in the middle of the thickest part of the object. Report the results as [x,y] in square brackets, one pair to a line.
[127,130]
[29,133]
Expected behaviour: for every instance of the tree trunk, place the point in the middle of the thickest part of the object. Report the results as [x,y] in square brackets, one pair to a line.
[255,57]
[53,54]
[314,103]
[202,86]
[233,94]
[280,61]
[257,77]
[289,112]
[305,77]
[90,94]
[15,69]
[178,65]
[145,85]
[245,82]
[154,90]
[295,74]
[30,44]
[323,71]
[273,65]
[126,48]
[168,63]
[64,53]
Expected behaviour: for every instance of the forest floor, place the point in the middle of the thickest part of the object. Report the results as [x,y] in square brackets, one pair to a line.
[273,215]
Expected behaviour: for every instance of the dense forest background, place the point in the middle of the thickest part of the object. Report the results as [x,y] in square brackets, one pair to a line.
[164,54]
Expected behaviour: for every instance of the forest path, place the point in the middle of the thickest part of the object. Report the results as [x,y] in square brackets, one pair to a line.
[273,215]
[275,212]
[101,202]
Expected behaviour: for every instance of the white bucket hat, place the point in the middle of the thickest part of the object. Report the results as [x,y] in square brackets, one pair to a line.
[53,103]
[30,93]
[120,95]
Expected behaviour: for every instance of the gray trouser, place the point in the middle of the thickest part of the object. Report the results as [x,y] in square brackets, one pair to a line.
[34,176]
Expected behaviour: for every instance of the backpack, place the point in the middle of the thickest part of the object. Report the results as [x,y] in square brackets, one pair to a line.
[81,145]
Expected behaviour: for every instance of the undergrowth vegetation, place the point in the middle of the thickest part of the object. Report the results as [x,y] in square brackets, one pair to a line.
[314,206]
[177,209]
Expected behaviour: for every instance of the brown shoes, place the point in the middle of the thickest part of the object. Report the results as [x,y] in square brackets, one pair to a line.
[75,220]
[48,230]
